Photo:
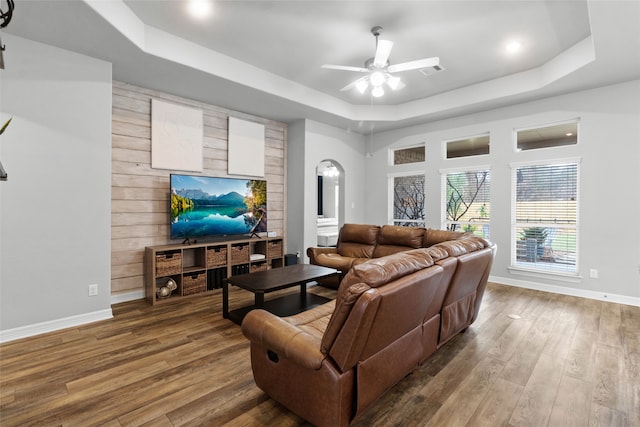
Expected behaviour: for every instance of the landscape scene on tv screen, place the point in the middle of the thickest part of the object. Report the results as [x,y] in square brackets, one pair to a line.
[204,206]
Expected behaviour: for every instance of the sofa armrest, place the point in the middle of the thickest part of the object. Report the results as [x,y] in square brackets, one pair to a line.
[313,253]
[272,332]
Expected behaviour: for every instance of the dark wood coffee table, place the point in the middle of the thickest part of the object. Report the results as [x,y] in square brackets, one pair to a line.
[263,282]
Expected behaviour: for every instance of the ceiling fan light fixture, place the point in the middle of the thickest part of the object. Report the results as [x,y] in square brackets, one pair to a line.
[377,91]
[379,71]
[393,82]
[362,86]
[377,79]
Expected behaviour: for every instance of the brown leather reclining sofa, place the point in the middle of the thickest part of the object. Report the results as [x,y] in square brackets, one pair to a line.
[358,243]
[330,363]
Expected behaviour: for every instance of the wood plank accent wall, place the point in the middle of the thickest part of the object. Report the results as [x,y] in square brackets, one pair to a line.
[140,194]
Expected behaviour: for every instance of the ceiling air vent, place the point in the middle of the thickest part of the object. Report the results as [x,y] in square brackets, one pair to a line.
[431,70]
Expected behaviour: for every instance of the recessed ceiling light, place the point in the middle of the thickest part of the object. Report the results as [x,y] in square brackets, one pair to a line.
[569,134]
[513,47]
[200,9]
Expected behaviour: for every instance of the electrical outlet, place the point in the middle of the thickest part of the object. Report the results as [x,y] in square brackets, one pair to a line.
[593,273]
[93,290]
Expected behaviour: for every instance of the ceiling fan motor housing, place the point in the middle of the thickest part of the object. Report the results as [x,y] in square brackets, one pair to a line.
[369,64]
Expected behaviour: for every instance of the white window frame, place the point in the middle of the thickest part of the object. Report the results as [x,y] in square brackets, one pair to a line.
[519,269]
[443,190]
[390,186]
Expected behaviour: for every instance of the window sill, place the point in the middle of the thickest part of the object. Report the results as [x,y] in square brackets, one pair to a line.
[562,277]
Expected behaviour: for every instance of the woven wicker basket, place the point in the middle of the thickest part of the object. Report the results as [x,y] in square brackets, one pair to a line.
[239,254]
[194,283]
[274,249]
[216,256]
[168,263]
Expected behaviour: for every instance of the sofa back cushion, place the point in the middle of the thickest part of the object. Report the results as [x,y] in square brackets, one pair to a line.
[433,236]
[464,245]
[393,239]
[379,271]
[371,274]
[357,240]
[344,303]
[458,310]
[381,316]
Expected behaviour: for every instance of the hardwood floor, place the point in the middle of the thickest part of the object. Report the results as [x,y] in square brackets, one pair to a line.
[565,362]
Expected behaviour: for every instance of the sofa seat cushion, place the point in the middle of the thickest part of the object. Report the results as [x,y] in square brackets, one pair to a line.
[337,261]
[314,321]
[278,335]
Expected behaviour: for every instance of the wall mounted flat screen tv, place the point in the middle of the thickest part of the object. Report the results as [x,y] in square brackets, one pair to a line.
[204,206]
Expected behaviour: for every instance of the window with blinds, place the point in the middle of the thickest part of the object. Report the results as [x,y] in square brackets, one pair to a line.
[408,200]
[545,217]
[467,201]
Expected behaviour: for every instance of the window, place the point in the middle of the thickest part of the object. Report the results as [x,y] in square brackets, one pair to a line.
[408,155]
[473,146]
[408,199]
[547,136]
[545,217]
[467,201]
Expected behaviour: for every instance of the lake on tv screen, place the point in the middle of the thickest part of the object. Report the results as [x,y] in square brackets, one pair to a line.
[211,220]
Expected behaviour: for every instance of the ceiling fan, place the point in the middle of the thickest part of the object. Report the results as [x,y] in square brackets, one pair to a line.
[378,69]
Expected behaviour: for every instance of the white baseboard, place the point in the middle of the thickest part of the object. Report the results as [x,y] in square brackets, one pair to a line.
[54,325]
[127,296]
[563,290]
[81,319]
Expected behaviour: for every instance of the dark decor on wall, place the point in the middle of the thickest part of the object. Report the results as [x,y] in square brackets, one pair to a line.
[320,207]
[5,18]
[3,173]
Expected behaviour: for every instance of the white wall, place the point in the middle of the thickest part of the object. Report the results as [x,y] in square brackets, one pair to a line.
[295,187]
[330,186]
[310,143]
[55,206]
[609,147]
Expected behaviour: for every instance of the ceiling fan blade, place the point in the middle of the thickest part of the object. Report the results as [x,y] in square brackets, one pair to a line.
[353,84]
[414,65]
[383,50]
[345,68]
